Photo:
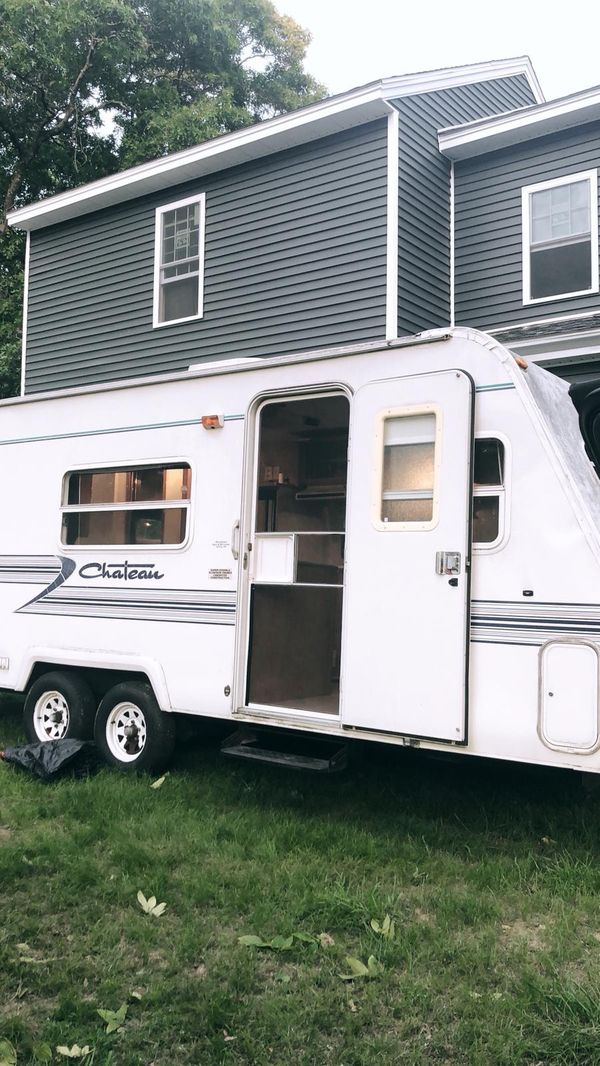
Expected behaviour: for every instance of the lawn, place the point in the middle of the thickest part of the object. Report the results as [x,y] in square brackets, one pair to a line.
[489,872]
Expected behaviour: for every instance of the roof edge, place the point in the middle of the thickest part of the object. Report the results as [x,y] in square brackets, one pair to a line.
[331,115]
[444,78]
[513,127]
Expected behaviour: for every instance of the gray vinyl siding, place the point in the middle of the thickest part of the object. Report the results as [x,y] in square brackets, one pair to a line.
[488,234]
[295,259]
[424,201]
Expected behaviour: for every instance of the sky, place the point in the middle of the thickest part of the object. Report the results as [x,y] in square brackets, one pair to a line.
[356,42]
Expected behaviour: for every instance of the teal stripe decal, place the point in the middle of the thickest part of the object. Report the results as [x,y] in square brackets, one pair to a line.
[494,388]
[115,429]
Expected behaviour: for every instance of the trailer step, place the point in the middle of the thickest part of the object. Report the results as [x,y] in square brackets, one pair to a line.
[295,751]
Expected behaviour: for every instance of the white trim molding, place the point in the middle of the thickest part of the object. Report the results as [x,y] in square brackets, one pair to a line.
[428,81]
[391,286]
[532,323]
[200,199]
[452,246]
[591,176]
[25,309]
[523,124]
[344,111]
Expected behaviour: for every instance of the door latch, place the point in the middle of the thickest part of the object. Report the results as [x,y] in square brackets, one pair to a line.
[447,563]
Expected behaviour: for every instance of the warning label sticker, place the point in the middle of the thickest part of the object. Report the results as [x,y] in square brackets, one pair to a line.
[221,574]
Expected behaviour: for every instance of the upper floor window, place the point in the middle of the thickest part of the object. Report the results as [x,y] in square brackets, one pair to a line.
[178,261]
[560,238]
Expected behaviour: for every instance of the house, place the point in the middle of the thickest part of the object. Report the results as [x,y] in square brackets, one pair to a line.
[526,229]
[331,225]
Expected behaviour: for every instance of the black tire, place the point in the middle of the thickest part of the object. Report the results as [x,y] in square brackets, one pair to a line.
[131,731]
[59,705]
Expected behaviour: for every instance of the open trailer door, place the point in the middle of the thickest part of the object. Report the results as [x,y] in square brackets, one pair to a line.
[406,610]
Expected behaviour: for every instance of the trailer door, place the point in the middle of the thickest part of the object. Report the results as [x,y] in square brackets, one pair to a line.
[406,619]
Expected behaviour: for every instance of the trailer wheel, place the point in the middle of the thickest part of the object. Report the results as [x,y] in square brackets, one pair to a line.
[59,705]
[131,731]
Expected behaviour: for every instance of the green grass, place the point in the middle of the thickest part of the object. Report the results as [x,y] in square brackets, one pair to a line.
[490,871]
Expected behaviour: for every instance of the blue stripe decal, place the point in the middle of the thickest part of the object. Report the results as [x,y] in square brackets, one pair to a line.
[115,429]
[495,388]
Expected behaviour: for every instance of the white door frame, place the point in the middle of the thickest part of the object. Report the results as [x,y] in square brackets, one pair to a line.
[247,531]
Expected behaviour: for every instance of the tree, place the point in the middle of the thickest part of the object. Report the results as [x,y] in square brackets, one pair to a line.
[11,303]
[90,86]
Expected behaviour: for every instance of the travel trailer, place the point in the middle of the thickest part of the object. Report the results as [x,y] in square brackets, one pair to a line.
[399,544]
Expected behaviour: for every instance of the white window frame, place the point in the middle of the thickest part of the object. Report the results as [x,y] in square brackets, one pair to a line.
[568,179]
[199,198]
[501,491]
[134,464]
[407,412]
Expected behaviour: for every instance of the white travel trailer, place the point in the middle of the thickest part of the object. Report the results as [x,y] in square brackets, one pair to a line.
[399,544]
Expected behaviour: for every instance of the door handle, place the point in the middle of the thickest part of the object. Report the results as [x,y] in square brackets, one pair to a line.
[235,539]
[447,563]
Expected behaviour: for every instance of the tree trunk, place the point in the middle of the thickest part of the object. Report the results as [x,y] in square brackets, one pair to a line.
[13,187]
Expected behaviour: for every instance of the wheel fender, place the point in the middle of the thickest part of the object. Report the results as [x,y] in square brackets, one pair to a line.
[103,660]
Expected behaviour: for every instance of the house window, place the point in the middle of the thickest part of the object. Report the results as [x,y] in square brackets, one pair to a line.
[178,261]
[488,492]
[560,238]
[144,505]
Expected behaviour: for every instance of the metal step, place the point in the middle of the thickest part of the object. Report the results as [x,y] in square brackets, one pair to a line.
[295,751]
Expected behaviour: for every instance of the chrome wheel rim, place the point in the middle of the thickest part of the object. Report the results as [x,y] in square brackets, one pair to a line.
[126,731]
[51,716]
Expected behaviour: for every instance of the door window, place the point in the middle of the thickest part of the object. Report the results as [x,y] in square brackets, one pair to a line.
[408,468]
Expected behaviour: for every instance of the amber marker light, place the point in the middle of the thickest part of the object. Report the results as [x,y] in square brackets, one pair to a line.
[212,421]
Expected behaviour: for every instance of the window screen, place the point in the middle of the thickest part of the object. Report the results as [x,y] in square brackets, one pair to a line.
[179,262]
[408,468]
[560,240]
[143,505]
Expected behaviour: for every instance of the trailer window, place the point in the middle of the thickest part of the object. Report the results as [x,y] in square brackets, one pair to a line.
[488,491]
[408,468]
[142,505]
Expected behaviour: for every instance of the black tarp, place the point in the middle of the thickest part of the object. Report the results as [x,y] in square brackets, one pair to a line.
[55,757]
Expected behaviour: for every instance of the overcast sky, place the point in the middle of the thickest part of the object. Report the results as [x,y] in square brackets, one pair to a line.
[356,42]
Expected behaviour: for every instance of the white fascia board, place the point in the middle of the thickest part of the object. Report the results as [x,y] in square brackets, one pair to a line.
[336,113]
[431,80]
[514,127]
[561,350]
[392,220]
[25,311]
[286,131]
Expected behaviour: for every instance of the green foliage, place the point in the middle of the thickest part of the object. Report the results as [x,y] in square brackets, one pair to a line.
[88,87]
[8,1055]
[386,928]
[114,1018]
[12,257]
[208,68]
[279,943]
[41,1052]
[359,970]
